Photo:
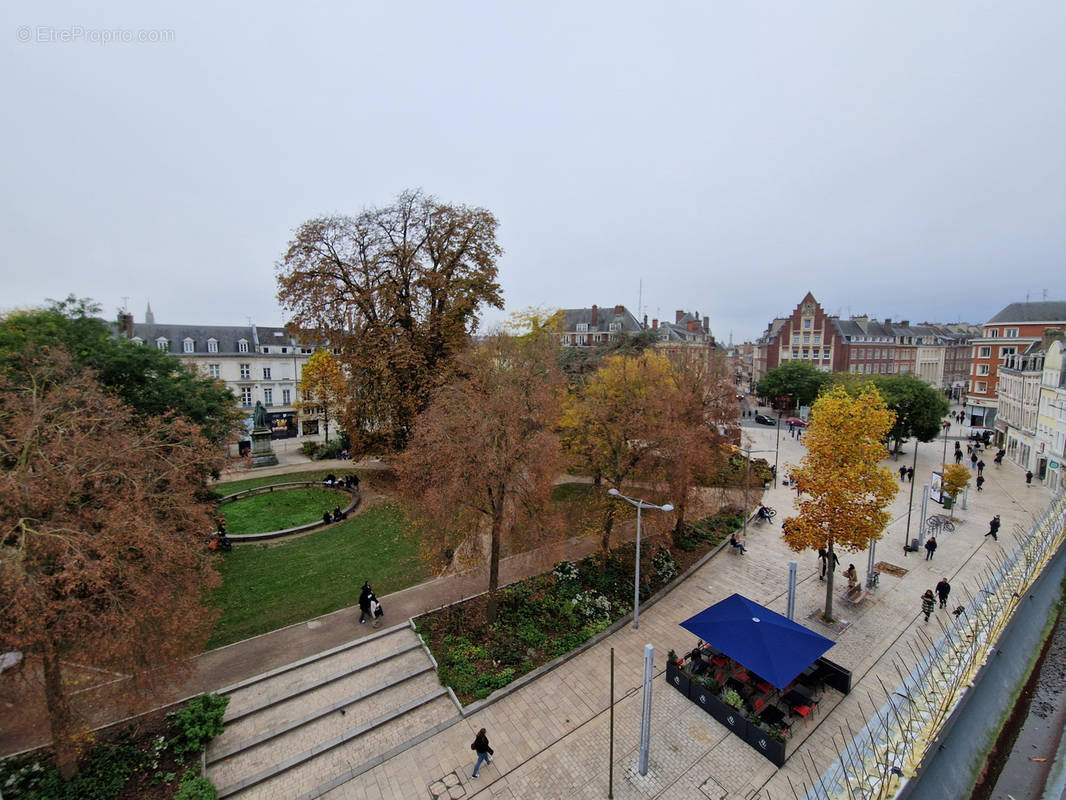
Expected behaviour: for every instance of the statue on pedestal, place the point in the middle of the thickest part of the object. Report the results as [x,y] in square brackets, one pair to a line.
[262,452]
[259,416]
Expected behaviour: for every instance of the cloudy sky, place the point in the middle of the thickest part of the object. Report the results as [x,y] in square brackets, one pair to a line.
[901,159]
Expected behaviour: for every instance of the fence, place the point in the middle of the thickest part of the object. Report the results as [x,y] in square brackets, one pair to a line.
[878,760]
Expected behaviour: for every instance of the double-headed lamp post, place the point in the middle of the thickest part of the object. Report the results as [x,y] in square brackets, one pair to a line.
[640,506]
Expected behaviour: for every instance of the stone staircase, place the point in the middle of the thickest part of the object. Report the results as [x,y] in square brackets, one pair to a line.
[300,730]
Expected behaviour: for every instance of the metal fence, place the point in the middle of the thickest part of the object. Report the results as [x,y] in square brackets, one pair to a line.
[878,760]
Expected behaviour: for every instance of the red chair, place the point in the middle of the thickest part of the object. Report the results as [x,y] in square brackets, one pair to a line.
[719,660]
[803,711]
[758,703]
[763,686]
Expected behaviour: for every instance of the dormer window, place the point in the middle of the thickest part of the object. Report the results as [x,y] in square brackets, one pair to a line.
[188,346]
[582,327]
[163,344]
[137,340]
[212,345]
[242,346]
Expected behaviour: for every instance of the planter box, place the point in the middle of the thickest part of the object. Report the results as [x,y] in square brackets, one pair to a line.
[677,678]
[834,675]
[770,748]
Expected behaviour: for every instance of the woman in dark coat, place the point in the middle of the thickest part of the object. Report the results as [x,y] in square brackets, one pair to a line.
[364,602]
[484,753]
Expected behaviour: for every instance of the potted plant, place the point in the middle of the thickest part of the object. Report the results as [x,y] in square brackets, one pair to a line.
[732,698]
[676,675]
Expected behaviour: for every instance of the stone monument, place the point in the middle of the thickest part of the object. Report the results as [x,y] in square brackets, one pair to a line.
[262,452]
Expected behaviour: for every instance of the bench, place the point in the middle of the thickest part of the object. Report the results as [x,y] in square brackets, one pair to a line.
[855,597]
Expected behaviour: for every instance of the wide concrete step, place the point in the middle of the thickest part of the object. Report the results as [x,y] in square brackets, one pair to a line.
[310,769]
[324,695]
[279,684]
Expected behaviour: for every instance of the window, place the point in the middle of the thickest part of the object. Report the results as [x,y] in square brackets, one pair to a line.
[284,349]
[311,427]
[214,370]
[212,345]
[984,352]
[268,397]
[246,371]
[246,396]
[980,387]
[993,333]
[982,369]
[795,352]
[580,339]
[825,354]
[242,346]
[163,344]
[806,338]
[286,397]
[1010,333]
[266,373]
[305,351]
[137,340]
[1007,351]
[615,326]
[582,327]
[806,324]
[188,346]
[817,338]
[806,352]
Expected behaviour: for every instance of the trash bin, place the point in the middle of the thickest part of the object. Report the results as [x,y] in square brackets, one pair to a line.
[948,502]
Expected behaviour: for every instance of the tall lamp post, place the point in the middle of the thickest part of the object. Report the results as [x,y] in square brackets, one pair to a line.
[640,506]
[777,444]
[946,426]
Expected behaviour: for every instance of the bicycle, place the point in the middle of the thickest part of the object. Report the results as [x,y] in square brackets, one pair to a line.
[766,514]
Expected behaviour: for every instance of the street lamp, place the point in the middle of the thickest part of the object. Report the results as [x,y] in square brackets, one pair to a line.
[946,425]
[777,444]
[640,506]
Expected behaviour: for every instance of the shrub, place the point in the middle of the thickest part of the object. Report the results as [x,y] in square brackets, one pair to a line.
[309,449]
[666,566]
[733,698]
[565,571]
[530,635]
[197,723]
[592,606]
[489,682]
[460,675]
[193,787]
[568,642]
[332,448]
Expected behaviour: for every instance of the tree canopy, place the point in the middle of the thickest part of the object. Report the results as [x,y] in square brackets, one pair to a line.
[149,381]
[322,386]
[799,380]
[398,290]
[846,490]
[102,559]
[485,449]
[919,408]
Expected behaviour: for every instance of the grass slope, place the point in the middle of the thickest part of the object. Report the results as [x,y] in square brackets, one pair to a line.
[268,587]
[281,509]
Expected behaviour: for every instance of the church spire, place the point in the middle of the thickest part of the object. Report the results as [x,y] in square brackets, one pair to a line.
[149,317]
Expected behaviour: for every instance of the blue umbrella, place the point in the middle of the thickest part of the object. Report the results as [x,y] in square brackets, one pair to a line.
[770,645]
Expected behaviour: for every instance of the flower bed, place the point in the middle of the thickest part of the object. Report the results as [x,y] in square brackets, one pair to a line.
[544,617]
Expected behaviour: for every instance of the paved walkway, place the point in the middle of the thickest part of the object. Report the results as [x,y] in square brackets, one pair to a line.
[551,736]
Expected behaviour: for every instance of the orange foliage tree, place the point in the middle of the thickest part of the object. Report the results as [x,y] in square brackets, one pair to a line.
[322,386]
[956,478]
[845,489]
[102,558]
[614,426]
[485,449]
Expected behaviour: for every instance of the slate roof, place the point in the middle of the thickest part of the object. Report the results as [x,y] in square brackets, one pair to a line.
[227,336]
[572,317]
[1043,311]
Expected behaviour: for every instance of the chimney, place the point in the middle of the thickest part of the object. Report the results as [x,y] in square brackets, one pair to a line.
[707,324]
[125,324]
[655,324]
[619,310]
[677,316]
[905,323]
[645,322]
[595,316]
[690,325]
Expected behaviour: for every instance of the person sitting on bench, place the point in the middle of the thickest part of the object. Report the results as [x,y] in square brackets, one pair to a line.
[735,542]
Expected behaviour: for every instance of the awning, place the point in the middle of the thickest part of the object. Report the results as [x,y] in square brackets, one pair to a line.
[763,641]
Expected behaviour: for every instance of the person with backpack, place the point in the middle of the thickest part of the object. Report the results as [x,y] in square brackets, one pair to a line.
[365,598]
[480,745]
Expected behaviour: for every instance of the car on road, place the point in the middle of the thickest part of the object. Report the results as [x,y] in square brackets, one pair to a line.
[762,419]
[796,422]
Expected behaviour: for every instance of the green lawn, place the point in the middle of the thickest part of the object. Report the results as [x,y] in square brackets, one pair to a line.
[267,587]
[232,487]
[278,510]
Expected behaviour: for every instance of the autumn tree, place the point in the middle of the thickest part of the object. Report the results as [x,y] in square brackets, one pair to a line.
[149,381]
[102,560]
[614,425]
[956,478]
[919,408]
[799,380]
[322,386]
[701,420]
[845,491]
[398,290]
[485,451]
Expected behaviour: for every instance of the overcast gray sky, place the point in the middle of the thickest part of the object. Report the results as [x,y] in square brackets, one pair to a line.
[901,159]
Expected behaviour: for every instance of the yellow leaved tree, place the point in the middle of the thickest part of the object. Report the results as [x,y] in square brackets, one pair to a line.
[845,490]
[956,477]
[322,386]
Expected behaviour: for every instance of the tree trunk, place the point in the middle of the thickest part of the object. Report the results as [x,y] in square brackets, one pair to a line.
[827,615]
[60,719]
[494,558]
[608,525]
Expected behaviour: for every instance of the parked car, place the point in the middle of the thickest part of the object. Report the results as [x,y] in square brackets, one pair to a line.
[797,422]
[762,419]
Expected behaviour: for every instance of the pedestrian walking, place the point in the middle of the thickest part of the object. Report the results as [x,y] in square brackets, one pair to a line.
[980,481]
[928,603]
[902,474]
[993,528]
[480,745]
[375,612]
[1028,478]
[981,467]
[821,562]
[910,474]
[365,597]
[930,548]
[943,589]
[958,456]
[973,460]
